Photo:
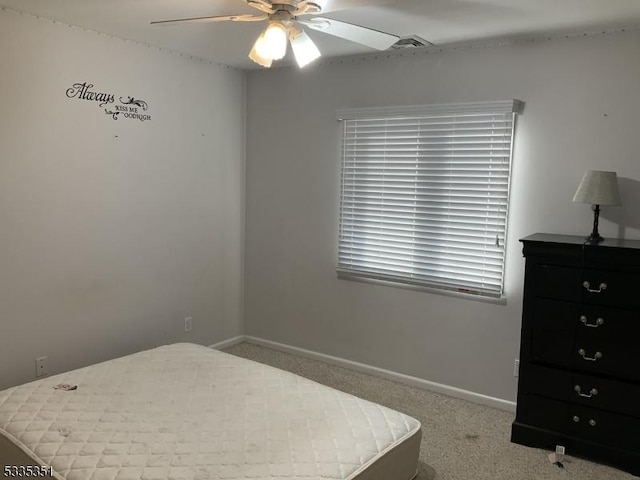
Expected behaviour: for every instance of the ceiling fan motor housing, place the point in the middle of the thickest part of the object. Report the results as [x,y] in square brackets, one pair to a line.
[293,7]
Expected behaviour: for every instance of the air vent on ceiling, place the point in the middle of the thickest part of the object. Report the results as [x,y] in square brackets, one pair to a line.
[412,41]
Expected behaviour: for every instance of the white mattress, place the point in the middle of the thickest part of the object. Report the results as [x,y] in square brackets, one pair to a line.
[187,412]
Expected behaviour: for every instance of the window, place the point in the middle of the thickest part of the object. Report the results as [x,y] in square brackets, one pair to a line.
[424,195]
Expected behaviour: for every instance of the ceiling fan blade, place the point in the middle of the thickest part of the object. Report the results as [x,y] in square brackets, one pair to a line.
[356,33]
[306,7]
[262,5]
[221,18]
[335,5]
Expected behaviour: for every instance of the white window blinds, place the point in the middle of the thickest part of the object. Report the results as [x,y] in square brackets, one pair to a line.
[424,195]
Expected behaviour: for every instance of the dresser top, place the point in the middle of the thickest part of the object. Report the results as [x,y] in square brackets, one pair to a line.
[580,240]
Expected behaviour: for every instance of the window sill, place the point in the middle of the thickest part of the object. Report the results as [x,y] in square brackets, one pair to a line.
[502,300]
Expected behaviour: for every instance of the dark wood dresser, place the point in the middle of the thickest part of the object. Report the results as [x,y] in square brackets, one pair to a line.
[579,383]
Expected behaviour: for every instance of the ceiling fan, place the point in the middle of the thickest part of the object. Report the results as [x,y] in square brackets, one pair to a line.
[285,23]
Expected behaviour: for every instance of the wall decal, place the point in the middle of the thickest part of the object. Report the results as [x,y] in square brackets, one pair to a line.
[82,91]
[128,108]
[132,101]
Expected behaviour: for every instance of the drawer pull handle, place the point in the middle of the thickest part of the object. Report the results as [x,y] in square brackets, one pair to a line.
[592,422]
[583,354]
[599,321]
[602,287]
[592,393]
[576,418]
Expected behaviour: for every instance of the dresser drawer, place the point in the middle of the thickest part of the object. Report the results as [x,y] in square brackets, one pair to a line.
[581,389]
[589,424]
[607,358]
[598,287]
[597,322]
[590,338]
[594,358]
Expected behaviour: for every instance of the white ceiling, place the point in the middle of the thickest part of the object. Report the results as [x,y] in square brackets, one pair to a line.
[441,22]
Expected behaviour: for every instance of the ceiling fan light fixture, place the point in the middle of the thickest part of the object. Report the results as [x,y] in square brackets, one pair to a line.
[272,44]
[303,48]
[256,57]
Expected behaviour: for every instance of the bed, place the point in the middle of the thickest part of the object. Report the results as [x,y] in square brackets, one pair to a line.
[187,412]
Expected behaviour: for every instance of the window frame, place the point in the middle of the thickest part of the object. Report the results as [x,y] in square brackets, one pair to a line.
[508,107]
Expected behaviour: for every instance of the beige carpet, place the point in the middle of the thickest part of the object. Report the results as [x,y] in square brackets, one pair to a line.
[461,440]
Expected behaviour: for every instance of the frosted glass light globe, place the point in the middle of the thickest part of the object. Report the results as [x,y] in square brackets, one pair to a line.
[274,42]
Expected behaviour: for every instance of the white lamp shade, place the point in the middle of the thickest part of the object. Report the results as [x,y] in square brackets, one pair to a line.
[256,57]
[598,188]
[304,49]
[273,45]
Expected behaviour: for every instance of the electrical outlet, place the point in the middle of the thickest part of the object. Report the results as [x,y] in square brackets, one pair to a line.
[516,368]
[188,323]
[41,367]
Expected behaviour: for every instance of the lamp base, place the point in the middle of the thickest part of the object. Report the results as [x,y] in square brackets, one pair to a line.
[594,239]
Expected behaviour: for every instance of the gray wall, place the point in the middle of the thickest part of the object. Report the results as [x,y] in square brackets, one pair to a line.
[113,231]
[582,103]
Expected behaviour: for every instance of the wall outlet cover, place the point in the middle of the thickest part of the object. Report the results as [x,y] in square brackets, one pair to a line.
[41,367]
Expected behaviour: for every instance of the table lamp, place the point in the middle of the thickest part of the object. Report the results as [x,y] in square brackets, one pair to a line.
[597,188]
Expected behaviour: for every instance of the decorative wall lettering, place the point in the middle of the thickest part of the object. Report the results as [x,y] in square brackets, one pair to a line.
[129,107]
[82,92]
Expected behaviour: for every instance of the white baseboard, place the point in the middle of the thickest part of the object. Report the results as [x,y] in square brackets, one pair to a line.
[376,371]
[228,343]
